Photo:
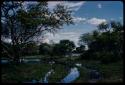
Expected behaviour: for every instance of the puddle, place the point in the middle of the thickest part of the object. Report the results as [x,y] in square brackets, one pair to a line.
[94,75]
[73,75]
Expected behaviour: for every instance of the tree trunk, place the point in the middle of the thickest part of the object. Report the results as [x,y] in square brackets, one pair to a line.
[17,54]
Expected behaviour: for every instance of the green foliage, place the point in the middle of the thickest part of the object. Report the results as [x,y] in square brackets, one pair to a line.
[64,47]
[80,49]
[112,72]
[57,49]
[3,51]
[105,46]
[22,24]
[45,49]
[83,76]
[30,49]
[87,55]
[85,39]
[103,26]
[23,72]
[59,73]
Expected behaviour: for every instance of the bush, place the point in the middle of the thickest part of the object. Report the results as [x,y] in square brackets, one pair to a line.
[108,57]
[85,56]
[103,56]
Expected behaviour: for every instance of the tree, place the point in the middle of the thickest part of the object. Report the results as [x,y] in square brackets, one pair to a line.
[21,24]
[103,26]
[85,39]
[105,46]
[80,49]
[45,49]
[95,34]
[64,47]
[117,26]
[6,48]
[30,49]
[67,46]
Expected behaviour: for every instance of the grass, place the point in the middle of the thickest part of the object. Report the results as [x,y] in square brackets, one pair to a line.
[83,78]
[112,72]
[23,72]
[28,72]
[59,73]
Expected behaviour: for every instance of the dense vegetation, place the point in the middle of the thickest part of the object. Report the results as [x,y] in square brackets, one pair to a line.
[105,44]
[23,25]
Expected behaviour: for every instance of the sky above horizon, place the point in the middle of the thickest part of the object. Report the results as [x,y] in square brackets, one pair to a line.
[86,15]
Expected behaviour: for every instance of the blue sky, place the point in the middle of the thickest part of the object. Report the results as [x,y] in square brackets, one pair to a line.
[87,15]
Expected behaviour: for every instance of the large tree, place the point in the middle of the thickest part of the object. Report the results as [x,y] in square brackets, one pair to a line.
[30,49]
[85,39]
[64,47]
[23,22]
[105,45]
[45,49]
[80,49]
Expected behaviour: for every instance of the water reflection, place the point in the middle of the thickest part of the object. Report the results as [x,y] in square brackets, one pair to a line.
[94,75]
[30,60]
[4,61]
[47,75]
[74,73]
[78,64]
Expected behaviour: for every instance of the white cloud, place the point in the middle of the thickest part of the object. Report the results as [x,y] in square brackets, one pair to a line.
[46,40]
[99,5]
[96,21]
[93,21]
[52,4]
[79,19]
[75,6]
[73,36]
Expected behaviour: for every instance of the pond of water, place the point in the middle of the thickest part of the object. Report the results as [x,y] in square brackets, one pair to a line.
[73,75]
[94,75]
